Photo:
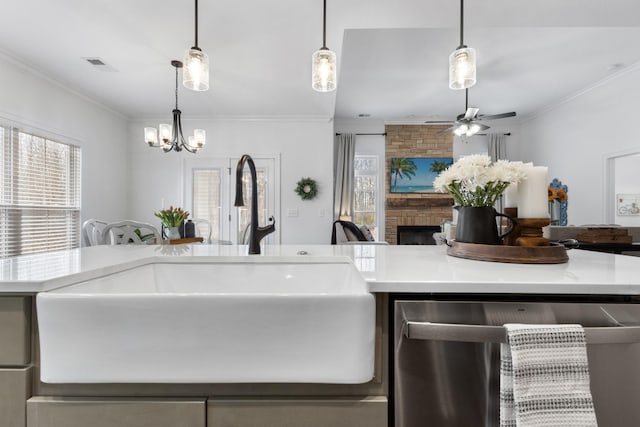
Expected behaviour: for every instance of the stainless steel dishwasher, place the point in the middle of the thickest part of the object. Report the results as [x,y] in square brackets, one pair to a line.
[446,357]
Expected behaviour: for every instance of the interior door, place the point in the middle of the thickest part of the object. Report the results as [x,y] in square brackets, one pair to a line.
[209,193]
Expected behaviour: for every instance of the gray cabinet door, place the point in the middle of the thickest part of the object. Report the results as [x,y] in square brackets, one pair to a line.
[370,411]
[15,331]
[115,412]
[15,389]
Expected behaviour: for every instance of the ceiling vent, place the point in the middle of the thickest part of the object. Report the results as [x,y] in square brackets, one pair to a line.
[99,64]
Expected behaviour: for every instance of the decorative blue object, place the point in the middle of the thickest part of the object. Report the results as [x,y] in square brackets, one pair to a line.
[556,184]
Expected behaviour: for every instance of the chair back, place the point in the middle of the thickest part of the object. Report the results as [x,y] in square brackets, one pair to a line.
[346,231]
[92,232]
[130,232]
[203,229]
[244,240]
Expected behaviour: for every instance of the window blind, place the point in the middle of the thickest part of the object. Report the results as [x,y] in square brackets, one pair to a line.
[39,194]
[207,198]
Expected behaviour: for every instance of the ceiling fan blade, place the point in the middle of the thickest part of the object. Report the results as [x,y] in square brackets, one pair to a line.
[446,130]
[471,113]
[497,116]
[438,122]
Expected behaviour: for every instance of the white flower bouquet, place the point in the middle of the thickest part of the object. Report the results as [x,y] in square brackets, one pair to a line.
[475,181]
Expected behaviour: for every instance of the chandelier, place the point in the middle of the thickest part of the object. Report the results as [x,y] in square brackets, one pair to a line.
[170,136]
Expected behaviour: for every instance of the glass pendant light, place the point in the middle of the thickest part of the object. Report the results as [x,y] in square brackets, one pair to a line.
[323,62]
[195,75]
[462,61]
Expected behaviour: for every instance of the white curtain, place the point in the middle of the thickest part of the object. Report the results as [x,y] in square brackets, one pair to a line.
[497,146]
[343,175]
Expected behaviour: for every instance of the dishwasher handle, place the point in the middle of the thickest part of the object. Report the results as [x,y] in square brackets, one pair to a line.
[498,334]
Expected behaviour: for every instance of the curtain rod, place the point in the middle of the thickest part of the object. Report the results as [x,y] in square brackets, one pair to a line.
[385,134]
[363,134]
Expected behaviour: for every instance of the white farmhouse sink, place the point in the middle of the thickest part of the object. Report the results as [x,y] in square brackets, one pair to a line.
[229,322]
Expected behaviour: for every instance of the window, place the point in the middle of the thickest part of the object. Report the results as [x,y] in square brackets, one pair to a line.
[39,194]
[365,189]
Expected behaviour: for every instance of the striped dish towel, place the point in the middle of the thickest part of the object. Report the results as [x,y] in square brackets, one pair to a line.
[544,377]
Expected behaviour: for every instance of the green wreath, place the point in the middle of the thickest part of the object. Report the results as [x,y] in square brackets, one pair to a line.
[307,188]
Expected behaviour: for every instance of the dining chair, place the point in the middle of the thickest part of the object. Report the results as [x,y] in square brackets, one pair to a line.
[130,232]
[244,240]
[203,229]
[92,232]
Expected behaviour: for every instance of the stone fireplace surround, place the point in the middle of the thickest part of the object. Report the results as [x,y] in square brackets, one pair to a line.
[415,208]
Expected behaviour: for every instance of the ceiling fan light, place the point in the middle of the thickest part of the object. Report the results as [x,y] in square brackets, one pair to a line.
[473,129]
[195,74]
[461,130]
[323,76]
[462,68]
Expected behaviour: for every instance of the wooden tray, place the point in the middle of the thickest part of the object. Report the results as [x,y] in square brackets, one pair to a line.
[186,240]
[554,254]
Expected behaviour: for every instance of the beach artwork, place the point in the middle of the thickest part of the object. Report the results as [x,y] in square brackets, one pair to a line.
[416,174]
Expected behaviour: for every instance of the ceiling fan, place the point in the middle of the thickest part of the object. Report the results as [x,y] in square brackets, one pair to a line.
[469,123]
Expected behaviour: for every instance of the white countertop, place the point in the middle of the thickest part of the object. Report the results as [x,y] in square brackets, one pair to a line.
[386,268]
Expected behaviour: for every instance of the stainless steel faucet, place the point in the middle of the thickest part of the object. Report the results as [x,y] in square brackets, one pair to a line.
[256,233]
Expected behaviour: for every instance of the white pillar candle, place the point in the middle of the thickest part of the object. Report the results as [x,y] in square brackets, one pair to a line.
[511,196]
[532,193]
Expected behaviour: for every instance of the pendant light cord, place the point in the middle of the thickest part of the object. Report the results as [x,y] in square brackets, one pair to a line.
[461,22]
[196,26]
[324,25]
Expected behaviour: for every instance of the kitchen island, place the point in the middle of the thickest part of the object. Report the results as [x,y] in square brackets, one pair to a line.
[387,269]
[390,271]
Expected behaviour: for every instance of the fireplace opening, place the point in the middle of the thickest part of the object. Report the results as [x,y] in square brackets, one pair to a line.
[417,234]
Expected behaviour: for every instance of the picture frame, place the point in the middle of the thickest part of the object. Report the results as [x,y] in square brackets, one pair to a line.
[628,204]
[416,174]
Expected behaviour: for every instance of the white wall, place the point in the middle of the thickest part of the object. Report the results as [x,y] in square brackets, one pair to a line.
[35,103]
[305,147]
[574,138]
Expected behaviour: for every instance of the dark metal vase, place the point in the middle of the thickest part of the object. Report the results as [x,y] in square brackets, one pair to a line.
[478,225]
